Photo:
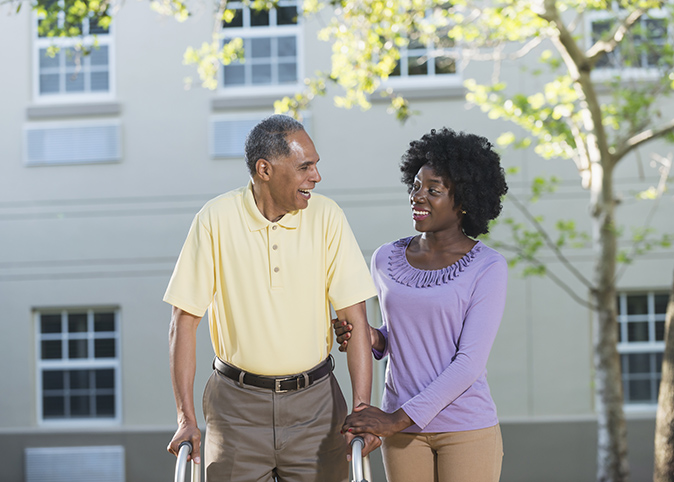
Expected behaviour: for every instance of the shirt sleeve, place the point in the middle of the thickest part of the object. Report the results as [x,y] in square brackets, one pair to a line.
[192,284]
[378,355]
[480,326]
[348,279]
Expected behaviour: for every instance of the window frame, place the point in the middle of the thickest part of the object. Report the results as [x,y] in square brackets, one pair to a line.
[85,39]
[89,363]
[632,72]
[272,31]
[426,80]
[652,346]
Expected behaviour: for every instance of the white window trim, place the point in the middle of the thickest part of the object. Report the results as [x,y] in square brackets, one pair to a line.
[87,40]
[632,73]
[78,364]
[272,31]
[420,82]
[427,81]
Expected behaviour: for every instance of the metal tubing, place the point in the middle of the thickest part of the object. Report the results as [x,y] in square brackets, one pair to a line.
[184,451]
[196,472]
[357,445]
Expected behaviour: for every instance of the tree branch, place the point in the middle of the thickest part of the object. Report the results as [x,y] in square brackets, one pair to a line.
[550,243]
[602,47]
[579,69]
[666,163]
[572,54]
[553,277]
[643,137]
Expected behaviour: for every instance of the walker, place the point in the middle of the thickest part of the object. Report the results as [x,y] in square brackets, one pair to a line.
[360,466]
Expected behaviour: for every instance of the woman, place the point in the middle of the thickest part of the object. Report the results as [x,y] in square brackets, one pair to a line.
[442,295]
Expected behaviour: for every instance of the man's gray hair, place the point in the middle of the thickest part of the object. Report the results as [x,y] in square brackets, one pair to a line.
[267,140]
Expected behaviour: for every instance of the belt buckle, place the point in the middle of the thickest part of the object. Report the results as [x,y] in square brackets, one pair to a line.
[278,381]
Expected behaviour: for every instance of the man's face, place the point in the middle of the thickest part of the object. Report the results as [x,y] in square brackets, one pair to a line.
[293,177]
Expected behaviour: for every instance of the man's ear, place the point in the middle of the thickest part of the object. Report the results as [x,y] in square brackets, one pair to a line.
[263,169]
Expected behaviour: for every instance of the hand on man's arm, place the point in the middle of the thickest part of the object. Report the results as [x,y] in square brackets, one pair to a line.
[359,362]
[343,329]
[183,365]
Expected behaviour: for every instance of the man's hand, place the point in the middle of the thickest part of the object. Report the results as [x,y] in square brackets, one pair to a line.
[187,432]
[367,419]
[372,442]
[183,365]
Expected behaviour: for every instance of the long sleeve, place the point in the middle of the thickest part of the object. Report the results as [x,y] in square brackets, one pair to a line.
[480,326]
[439,327]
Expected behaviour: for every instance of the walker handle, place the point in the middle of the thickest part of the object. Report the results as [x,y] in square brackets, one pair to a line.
[357,460]
[185,449]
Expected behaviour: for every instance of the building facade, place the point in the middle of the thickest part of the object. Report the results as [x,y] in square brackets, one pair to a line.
[105,159]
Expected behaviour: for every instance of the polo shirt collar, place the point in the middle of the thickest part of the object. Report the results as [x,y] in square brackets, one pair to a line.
[256,221]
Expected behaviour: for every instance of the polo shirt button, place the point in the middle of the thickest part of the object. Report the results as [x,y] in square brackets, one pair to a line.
[274,247]
[276,270]
[274,226]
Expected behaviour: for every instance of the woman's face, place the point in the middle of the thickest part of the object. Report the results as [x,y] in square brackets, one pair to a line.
[432,201]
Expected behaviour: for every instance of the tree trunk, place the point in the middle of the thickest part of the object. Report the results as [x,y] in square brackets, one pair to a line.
[612,464]
[664,421]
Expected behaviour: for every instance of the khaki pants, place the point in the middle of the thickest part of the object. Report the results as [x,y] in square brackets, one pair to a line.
[470,456]
[254,434]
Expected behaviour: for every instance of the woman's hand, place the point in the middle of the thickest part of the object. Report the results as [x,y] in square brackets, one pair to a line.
[368,419]
[343,333]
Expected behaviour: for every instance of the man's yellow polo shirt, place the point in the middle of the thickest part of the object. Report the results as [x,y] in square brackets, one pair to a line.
[268,286]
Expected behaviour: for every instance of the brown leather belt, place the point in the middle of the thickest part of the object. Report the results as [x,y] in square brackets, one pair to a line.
[278,384]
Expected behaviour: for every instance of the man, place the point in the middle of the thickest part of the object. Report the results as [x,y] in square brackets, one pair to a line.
[267,260]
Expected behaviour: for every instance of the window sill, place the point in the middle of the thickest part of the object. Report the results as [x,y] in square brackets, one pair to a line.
[80,423]
[625,73]
[420,91]
[635,411]
[73,110]
[236,98]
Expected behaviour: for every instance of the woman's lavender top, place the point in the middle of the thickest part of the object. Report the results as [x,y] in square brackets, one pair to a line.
[439,327]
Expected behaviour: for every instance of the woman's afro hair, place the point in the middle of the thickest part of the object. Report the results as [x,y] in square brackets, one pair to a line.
[471,166]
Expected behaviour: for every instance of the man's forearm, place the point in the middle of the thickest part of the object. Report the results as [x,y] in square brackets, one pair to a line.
[359,354]
[183,362]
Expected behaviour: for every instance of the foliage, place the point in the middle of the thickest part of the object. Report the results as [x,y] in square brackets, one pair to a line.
[369,37]
[599,97]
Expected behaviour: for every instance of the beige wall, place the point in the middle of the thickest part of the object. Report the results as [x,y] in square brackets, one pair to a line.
[74,236]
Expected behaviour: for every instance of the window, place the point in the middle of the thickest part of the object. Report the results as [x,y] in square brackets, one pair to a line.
[641,325]
[429,60]
[78,366]
[70,71]
[643,44]
[270,43]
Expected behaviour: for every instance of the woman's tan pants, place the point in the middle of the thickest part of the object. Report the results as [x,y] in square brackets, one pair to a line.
[470,456]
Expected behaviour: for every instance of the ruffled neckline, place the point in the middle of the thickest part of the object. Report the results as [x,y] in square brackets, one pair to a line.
[401,271]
